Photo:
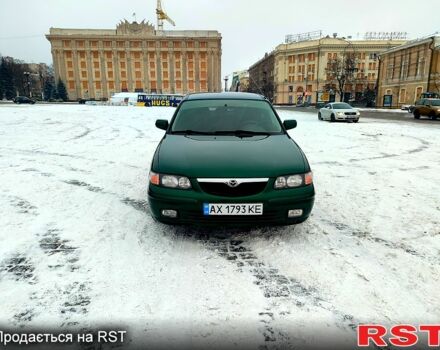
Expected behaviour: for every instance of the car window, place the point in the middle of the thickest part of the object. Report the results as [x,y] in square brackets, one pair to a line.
[209,116]
[434,103]
[341,106]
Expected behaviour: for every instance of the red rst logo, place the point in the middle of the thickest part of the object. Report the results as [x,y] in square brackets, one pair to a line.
[403,335]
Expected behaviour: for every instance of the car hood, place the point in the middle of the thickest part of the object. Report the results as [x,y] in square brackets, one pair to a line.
[345,110]
[228,156]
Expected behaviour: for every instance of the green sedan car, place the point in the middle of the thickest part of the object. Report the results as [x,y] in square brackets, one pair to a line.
[226,158]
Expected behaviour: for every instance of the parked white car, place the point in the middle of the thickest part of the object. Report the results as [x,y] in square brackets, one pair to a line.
[338,111]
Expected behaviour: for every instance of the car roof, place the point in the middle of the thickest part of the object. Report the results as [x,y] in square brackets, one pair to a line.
[224,95]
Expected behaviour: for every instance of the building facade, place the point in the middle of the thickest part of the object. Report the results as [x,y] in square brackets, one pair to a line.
[301,69]
[94,64]
[240,81]
[407,71]
[262,75]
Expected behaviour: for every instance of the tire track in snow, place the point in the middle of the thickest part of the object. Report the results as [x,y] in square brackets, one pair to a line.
[281,291]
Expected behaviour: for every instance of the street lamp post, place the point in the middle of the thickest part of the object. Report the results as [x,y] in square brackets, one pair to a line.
[28,83]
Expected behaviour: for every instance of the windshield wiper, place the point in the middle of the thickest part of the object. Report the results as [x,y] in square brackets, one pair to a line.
[241,133]
[191,132]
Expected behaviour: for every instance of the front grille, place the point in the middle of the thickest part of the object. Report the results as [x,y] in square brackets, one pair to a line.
[242,190]
[350,113]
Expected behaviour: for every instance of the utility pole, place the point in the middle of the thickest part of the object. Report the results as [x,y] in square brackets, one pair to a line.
[226,82]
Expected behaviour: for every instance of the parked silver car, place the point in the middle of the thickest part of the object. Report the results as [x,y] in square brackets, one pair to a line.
[338,111]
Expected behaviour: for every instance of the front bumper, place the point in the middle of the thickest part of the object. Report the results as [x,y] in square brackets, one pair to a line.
[347,117]
[189,206]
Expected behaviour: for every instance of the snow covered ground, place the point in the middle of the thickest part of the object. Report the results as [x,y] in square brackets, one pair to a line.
[79,250]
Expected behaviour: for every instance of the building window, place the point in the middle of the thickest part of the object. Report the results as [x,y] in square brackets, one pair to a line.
[70,73]
[97,85]
[111,85]
[107,43]
[110,65]
[121,44]
[122,64]
[191,84]
[419,91]
[164,55]
[97,74]
[71,85]
[402,96]
[137,55]
[178,84]
[66,43]
[165,65]
[203,44]
[94,43]
[85,85]
[110,74]
[190,44]
[122,55]
[290,88]
[137,65]
[69,64]
[84,74]
[124,74]
[80,43]
[176,44]
[164,44]
[137,75]
[151,44]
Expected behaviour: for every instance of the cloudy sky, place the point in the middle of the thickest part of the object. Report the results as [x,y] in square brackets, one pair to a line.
[249,27]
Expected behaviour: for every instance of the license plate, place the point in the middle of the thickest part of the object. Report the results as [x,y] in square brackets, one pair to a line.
[233,209]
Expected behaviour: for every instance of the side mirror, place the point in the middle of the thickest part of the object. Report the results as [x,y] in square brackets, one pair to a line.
[162,124]
[290,124]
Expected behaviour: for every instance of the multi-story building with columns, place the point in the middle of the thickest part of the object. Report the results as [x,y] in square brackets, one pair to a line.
[408,71]
[299,70]
[96,63]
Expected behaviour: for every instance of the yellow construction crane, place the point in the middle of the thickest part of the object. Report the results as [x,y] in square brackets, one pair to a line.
[161,16]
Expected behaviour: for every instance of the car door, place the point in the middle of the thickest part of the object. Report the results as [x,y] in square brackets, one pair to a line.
[329,111]
[423,109]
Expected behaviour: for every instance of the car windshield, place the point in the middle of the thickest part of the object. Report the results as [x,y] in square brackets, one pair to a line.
[433,102]
[218,116]
[341,106]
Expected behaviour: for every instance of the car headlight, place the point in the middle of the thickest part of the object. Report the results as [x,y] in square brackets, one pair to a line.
[170,181]
[357,113]
[340,113]
[291,181]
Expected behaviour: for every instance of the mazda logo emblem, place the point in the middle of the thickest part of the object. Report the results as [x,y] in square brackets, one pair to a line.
[232,183]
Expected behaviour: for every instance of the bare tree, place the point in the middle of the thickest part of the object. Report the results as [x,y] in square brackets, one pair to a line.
[341,71]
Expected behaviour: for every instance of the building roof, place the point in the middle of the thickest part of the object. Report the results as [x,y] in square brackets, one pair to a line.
[419,41]
[75,32]
[224,95]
